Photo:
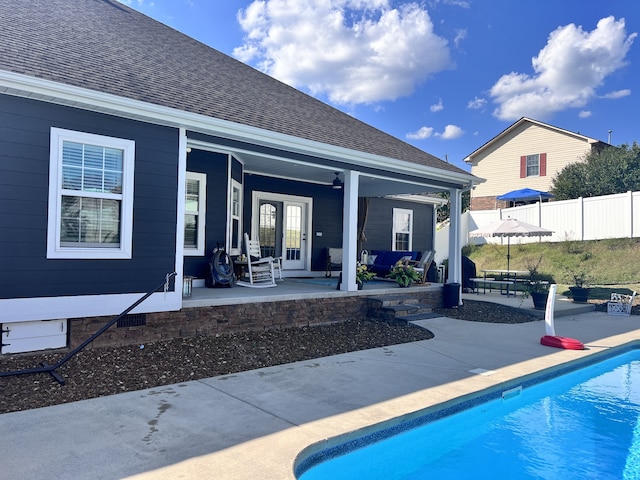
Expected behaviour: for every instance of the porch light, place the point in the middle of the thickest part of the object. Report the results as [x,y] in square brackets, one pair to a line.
[337,183]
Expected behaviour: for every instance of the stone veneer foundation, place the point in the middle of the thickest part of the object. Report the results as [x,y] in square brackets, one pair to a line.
[212,320]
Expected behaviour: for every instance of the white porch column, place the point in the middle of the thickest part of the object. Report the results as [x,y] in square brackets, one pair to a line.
[455,246]
[350,231]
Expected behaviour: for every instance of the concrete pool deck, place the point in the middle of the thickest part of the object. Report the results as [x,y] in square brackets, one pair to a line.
[254,424]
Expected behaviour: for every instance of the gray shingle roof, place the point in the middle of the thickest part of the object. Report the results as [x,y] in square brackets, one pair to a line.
[106,46]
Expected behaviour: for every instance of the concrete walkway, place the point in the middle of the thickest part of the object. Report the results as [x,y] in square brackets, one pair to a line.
[254,424]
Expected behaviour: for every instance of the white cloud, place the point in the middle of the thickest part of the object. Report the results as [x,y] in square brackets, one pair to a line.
[458,3]
[450,132]
[567,71]
[617,94]
[584,114]
[352,51]
[421,134]
[461,34]
[477,103]
[436,107]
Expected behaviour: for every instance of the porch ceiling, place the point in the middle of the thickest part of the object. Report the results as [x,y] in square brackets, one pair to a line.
[372,182]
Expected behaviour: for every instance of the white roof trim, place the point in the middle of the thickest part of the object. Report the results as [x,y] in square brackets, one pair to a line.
[589,140]
[45,90]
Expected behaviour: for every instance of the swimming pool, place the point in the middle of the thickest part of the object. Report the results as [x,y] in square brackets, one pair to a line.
[584,424]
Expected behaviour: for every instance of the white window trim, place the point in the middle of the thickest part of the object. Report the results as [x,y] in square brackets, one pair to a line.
[235,249]
[537,174]
[401,211]
[202,213]
[54,249]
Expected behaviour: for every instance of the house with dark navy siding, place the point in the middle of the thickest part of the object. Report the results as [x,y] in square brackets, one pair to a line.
[129,150]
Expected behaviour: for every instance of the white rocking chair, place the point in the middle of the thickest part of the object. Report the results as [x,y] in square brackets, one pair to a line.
[260,270]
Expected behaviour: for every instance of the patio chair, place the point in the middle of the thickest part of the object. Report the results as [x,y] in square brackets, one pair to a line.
[422,266]
[260,270]
[334,259]
[620,304]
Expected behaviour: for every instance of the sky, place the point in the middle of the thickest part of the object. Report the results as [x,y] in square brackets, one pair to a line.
[444,75]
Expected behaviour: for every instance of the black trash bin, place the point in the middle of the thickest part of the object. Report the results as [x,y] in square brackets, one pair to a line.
[451,295]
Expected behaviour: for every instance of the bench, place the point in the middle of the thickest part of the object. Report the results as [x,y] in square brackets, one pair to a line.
[490,281]
[620,304]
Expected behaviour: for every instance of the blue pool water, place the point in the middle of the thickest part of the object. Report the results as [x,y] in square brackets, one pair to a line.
[581,425]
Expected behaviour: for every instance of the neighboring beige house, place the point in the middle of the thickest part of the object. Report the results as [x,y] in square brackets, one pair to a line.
[528,154]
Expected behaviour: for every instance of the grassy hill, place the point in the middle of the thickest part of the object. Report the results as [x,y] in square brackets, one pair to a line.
[608,265]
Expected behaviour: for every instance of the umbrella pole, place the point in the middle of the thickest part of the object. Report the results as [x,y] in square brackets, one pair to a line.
[508,254]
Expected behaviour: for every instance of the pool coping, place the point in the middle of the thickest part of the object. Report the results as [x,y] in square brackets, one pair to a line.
[339,445]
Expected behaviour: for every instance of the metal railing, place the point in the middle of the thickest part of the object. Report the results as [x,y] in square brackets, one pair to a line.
[46,368]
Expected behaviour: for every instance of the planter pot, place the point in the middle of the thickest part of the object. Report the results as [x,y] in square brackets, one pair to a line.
[539,300]
[579,294]
[360,285]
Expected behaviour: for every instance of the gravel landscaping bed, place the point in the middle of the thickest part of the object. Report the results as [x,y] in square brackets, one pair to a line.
[95,372]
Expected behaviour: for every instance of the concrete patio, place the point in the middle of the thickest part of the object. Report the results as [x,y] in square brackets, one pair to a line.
[254,424]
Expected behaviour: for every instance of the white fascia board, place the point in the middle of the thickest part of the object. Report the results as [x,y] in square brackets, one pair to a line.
[53,308]
[60,93]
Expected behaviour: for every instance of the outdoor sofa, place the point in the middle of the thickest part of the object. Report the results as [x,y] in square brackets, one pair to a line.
[380,262]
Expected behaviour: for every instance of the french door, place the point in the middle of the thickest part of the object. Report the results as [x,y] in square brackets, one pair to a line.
[282,223]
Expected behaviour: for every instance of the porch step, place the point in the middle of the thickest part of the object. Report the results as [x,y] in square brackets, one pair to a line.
[418,316]
[388,300]
[396,310]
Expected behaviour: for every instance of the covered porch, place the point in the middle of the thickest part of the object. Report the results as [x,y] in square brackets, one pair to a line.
[294,289]
[298,204]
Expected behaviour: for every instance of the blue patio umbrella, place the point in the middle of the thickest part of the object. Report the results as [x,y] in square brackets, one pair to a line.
[524,194]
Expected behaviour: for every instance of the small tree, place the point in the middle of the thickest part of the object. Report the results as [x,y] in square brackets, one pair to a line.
[444,211]
[605,172]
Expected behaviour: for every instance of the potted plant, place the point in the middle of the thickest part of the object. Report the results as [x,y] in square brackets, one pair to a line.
[363,275]
[404,274]
[536,285]
[539,291]
[579,290]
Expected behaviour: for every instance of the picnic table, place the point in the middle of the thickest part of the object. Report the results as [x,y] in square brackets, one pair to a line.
[502,278]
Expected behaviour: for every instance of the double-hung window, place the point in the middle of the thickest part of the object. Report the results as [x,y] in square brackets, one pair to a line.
[533,165]
[194,213]
[235,232]
[90,196]
[402,229]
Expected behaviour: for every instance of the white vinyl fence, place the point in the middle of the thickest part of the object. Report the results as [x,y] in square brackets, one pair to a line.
[593,218]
